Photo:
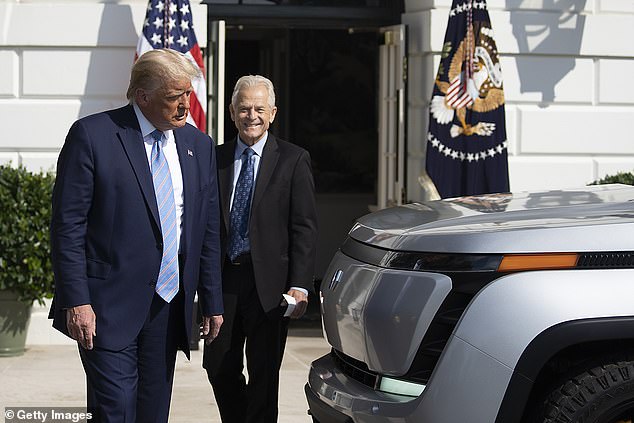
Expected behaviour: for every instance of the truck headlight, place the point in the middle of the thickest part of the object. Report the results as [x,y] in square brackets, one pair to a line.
[400,387]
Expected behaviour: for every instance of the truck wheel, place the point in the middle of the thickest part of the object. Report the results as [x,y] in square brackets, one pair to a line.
[603,394]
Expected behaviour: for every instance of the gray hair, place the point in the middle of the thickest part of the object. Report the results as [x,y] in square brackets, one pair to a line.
[156,67]
[253,81]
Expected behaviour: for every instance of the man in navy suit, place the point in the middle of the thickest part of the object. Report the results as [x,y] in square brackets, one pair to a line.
[269,237]
[134,235]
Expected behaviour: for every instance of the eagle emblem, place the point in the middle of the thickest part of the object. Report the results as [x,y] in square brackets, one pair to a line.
[474,81]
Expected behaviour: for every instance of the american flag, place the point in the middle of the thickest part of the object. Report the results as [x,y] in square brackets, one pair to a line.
[168,24]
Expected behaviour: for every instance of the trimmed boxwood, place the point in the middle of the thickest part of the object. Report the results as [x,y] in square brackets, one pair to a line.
[25,214]
[620,178]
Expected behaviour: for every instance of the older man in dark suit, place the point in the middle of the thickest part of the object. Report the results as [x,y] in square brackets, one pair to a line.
[269,237]
[134,234]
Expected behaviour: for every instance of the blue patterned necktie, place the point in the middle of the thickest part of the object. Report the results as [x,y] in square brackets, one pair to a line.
[239,240]
[167,283]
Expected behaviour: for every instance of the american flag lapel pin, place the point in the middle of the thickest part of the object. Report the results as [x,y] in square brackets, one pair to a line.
[189,153]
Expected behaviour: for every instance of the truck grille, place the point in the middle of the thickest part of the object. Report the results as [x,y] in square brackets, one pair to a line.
[355,369]
[605,260]
[472,274]
[434,341]
[437,336]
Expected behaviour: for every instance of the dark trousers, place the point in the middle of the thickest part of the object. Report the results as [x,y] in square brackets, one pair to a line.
[135,384]
[265,338]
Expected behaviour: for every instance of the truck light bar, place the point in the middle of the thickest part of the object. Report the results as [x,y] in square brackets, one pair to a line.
[400,387]
[485,262]
[436,262]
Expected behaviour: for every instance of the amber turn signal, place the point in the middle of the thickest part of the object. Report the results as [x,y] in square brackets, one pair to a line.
[515,262]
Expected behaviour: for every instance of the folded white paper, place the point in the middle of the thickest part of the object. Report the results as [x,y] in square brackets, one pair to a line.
[290,304]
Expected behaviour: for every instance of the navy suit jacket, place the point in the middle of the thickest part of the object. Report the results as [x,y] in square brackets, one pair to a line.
[106,240]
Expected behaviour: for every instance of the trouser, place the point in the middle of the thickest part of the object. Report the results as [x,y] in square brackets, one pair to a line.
[264,334]
[135,384]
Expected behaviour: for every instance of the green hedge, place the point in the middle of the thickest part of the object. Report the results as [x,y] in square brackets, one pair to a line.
[620,178]
[25,214]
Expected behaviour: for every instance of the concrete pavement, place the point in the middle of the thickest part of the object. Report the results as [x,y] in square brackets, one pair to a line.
[52,376]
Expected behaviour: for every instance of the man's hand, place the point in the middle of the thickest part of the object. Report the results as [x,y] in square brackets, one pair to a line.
[302,302]
[211,327]
[81,324]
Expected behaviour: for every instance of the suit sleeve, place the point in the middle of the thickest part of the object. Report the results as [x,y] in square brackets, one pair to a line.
[71,201]
[210,283]
[303,225]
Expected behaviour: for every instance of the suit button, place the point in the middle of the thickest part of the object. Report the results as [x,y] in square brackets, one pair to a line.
[152,284]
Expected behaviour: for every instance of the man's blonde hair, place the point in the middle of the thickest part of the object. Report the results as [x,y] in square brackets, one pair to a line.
[156,67]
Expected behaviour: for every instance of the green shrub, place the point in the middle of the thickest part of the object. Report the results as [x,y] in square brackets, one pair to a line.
[25,214]
[620,178]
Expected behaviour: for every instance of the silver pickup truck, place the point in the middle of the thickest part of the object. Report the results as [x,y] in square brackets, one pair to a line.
[505,308]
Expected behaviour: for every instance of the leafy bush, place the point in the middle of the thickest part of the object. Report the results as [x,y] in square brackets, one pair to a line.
[25,214]
[620,178]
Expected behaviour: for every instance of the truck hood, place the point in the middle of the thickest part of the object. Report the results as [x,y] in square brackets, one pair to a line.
[594,218]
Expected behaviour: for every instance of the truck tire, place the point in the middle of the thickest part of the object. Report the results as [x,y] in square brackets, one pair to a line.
[603,394]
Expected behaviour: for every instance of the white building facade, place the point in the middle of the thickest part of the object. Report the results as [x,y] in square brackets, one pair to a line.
[566,67]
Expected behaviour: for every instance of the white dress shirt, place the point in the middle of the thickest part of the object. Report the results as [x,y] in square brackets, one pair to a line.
[168,147]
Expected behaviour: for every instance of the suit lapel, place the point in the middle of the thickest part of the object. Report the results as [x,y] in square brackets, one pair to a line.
[188,170]
[225,177]
[270,155]
[132,141]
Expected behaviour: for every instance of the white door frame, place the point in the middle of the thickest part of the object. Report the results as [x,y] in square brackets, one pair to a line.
[391,187]
[216,77]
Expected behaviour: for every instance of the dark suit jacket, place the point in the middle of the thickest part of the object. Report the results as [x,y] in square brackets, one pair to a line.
[106,240]
[283,222]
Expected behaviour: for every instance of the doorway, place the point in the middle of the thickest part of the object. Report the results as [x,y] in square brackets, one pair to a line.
[326,83]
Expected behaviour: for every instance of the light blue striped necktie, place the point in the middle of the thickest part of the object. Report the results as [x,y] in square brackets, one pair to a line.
[167,283]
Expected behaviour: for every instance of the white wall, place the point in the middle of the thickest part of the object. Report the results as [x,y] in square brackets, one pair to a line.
[567,100]
[566,86]
[60,61]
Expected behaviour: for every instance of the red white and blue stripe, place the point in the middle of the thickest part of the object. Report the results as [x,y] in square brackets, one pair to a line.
[168,24]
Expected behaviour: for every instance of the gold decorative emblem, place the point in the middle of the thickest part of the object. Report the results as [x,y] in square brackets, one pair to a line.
[481,91]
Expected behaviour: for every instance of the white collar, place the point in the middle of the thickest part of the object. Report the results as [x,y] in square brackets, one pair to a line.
[258,147]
